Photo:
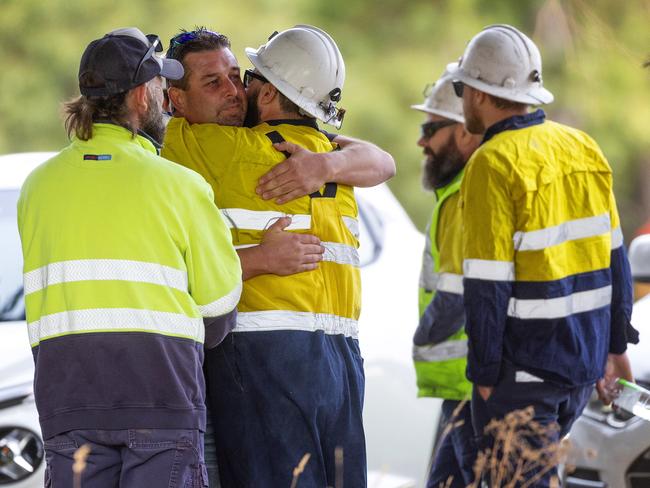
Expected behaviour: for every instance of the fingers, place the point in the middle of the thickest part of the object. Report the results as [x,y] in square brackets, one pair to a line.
[292,195]
[280,224]
[277,189]
[286,146]
[277,171]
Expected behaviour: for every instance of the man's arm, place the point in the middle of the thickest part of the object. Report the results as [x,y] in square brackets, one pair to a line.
[488,268]
[281,253]
[358,163]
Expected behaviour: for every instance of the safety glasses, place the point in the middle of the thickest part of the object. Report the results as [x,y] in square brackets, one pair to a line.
[156,47]
[249,75]
[428,129]
[179,39]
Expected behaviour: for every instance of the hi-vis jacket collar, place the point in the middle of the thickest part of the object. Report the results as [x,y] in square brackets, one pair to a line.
[515,122]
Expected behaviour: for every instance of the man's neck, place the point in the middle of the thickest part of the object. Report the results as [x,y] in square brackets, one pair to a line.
[497,115]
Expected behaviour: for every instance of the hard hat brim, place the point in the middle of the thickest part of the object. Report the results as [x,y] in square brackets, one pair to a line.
[442,113]
[534,96]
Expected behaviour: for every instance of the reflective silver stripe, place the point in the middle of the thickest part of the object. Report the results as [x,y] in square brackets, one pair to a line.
[428,277]
[288,320]
[352,224]
[104,269]
[334,252]
[451,283]
[553,308]
[223,305]
[567,231]
[241,218]
[440,352]
[483,269]
[617,238]
[340,253]
[115,320]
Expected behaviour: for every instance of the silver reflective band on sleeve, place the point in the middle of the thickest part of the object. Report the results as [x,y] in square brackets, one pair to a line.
[554,308]
[340,253]
[450,283]
[483,269]
[104,270]
[352,224]
[440,352]
[241,218]
[568,231]
[115,320]
[223,305]
[617,238]
[272,320]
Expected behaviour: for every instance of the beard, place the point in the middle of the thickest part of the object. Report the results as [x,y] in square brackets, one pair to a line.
[438,169]
[232,119]
[153,123]
[253,112]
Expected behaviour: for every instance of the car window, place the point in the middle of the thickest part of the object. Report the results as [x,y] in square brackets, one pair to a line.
[12,306]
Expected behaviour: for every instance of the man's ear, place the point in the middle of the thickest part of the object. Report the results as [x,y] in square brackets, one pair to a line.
[267,94]
[137,99]
[177,99]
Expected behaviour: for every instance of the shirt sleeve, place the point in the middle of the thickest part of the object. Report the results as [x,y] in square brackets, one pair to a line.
[621,330]
[488,266]
[213,267]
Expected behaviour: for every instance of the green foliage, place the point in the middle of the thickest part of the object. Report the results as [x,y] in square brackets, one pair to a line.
[592,50]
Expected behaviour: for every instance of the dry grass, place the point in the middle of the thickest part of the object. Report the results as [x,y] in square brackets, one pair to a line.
[522,453]
[79,465]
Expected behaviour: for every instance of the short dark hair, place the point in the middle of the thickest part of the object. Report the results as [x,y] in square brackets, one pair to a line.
[503,104]
[289,107]
[202,39]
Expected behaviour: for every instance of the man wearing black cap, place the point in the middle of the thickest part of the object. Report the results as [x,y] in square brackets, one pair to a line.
[129,271]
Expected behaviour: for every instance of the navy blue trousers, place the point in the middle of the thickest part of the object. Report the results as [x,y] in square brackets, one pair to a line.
[134,458]
[555,406]
[456,451]
[276,396]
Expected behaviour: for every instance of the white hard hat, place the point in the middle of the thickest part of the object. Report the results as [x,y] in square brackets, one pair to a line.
[441,100]
[305,65]
[639,257]
[504,62]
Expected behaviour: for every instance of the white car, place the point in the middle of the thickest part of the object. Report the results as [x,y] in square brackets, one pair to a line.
[399,427]
[611,449]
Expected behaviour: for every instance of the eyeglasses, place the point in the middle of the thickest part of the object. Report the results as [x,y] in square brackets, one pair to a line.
[184,37]
[459,88]
[428,129]
[155,47]
[249,75]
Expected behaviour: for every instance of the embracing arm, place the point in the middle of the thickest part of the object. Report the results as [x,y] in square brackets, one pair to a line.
[281,253]
[358,163]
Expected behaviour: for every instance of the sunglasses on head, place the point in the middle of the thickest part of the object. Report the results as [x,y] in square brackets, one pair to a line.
[184,37]
[156,47]
[428,129]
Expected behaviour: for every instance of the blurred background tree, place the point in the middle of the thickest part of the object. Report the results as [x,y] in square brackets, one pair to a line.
[593,51]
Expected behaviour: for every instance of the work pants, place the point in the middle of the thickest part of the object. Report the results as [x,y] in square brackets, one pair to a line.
[134,458]
[276,396]
[556,407]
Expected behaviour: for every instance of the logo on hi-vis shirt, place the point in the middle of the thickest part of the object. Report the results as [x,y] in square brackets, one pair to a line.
[97,157]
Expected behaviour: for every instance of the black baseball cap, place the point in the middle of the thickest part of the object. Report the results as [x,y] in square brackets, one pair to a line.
[121,60]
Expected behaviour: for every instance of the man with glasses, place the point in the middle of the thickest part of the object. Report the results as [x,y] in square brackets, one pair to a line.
[440,343]
[288,381]
[129,272]
[547,284]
